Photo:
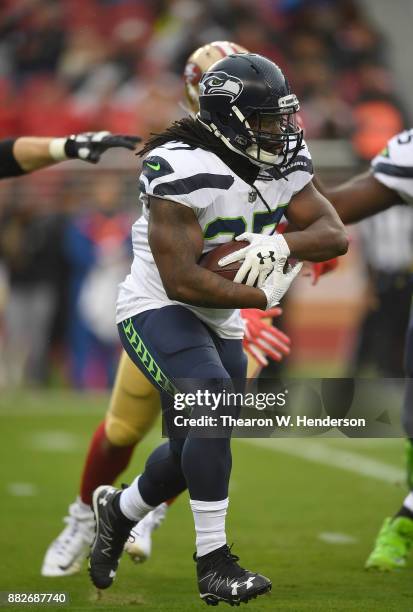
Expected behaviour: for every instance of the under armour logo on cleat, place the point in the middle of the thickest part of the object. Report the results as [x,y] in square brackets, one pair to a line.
[247,583]
[235,588]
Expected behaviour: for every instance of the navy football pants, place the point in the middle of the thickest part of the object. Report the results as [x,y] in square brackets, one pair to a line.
[176,351]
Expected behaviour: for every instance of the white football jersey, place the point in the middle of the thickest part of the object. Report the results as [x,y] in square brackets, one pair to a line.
[394,165]
[225,206]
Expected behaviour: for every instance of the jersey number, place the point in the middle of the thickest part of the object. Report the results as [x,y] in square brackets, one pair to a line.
[234,226]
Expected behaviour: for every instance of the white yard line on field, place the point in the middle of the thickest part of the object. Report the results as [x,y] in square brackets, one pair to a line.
[54,441]
[336,537]
[320,452]
[22,489]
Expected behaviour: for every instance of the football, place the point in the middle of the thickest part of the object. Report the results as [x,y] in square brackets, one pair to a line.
[210,260]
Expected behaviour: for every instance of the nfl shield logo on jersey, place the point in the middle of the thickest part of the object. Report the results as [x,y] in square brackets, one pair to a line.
[252,196]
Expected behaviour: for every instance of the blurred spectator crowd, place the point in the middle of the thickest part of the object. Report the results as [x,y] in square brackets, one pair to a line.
[64,248]
[68,66]
[88,64]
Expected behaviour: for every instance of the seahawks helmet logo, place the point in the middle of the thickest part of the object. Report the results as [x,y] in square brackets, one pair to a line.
[221,84]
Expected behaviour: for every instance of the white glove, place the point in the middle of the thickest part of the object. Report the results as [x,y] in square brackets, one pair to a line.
[278,282]
[260,257]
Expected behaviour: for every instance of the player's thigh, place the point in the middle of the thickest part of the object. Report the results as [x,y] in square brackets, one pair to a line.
[233,357]
[134,405]
[171,346]
[180,354]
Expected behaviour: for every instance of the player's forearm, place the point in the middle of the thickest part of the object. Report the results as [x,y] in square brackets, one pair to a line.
[321,241]
[345,198]
[359,198]
[200,287]
[176,242]
[346,204]
[33,153]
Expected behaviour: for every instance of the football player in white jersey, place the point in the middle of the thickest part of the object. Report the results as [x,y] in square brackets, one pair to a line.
[135,405]
[235,169]
[389,182]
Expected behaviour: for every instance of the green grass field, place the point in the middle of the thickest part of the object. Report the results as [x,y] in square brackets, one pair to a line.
[289,499]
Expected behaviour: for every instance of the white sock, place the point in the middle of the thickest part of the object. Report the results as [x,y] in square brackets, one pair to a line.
[209,518]
[86,508]
[131,503]
[408,502]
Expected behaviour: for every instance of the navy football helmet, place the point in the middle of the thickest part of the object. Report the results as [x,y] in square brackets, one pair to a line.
[245,100]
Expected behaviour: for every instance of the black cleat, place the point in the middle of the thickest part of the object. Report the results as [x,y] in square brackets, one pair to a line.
[112,531]
[220,578]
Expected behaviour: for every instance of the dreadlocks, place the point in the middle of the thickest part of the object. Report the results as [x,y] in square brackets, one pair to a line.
[188,131]
[191,132]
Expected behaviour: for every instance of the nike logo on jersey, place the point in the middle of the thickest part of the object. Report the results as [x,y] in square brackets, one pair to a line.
[154,166]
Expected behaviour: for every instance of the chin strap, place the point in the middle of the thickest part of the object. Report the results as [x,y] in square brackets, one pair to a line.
[266,158]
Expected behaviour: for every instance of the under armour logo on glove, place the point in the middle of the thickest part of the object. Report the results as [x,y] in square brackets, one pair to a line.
[262,258]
